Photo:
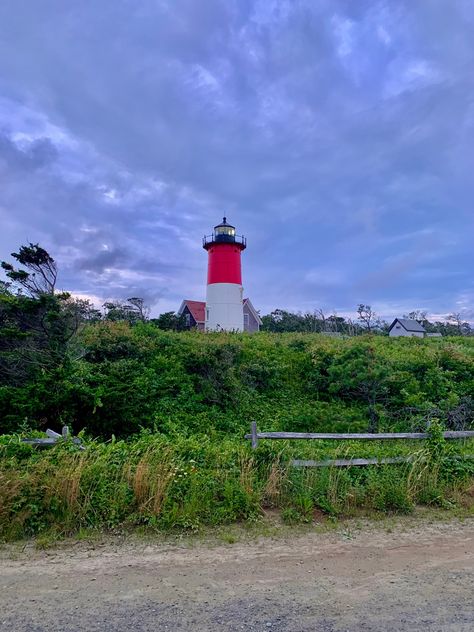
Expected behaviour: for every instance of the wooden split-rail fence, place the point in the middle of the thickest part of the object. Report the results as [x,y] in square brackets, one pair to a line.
[255,437]
[53,438]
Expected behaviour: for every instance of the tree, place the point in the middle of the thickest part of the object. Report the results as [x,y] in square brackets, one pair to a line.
[312,322]
[320,318]
[41,272]
[118,310]
[37,327]
[281,320]
[35,333]
[463,328]
[170,321]
[87,311]
[365,315]
[418,314]
[368,318]
[142,311]
[133,310]
[336,324]
[351,327]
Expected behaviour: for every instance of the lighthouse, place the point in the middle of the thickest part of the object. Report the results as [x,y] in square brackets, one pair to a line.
[224,296]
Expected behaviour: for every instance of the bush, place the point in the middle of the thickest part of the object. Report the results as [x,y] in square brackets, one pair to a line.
[122,379]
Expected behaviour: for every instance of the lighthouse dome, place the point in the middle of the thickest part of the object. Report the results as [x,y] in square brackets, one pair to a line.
[224,233]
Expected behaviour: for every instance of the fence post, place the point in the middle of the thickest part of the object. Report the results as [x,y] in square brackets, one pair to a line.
[253,432]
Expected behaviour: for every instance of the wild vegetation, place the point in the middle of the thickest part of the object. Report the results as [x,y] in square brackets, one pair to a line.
[164,482]
[163,412]
[119,379]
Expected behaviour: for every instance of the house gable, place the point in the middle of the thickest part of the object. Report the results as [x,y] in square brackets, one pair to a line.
[193,312]
[196,308]
[405,327]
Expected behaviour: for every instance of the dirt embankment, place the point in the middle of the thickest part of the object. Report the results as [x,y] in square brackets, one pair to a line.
[419,578]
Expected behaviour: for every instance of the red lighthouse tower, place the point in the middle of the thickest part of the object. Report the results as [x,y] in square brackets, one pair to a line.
[224,305]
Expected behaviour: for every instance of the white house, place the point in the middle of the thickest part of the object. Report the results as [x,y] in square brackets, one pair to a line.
[406,327]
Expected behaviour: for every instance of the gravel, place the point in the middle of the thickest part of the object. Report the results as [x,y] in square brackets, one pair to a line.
[413,579]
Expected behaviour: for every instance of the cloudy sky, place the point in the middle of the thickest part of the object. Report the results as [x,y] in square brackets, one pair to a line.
[338,136]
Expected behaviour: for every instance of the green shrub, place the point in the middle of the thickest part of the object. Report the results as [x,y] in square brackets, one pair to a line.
[120,379]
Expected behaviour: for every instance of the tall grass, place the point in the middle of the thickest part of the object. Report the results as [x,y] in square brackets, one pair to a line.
[186,483]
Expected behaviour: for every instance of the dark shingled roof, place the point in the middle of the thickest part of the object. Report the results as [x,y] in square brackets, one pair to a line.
[409,325]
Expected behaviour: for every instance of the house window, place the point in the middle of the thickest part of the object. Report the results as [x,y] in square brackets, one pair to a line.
[207,314]
[246,321]
[187,318]
[397,327]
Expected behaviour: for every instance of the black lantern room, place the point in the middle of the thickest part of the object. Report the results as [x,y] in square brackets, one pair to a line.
[224,233]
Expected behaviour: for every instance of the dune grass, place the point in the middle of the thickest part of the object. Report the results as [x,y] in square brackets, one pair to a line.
[186,483]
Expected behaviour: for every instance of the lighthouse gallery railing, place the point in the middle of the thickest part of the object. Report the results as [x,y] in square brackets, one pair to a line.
[224,239]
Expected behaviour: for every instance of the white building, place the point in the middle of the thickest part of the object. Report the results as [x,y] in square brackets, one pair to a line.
[406,327]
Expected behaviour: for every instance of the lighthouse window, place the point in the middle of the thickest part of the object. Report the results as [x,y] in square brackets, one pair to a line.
[225,230]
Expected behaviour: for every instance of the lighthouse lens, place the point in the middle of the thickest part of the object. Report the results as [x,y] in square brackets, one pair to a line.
[225,230]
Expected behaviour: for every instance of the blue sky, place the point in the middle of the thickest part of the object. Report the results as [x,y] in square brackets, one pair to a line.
[338,136]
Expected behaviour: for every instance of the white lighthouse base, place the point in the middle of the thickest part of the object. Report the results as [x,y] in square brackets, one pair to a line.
[224,307]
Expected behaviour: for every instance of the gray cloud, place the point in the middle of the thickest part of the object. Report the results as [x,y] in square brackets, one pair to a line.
[334,134]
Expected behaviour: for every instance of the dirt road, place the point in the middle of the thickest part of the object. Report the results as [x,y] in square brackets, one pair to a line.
[421,578]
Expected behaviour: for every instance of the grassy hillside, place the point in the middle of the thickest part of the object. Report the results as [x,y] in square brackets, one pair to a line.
[173,408]
[120,379]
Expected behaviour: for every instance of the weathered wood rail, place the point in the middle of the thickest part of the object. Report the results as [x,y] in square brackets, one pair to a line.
[53,439]
[255,436]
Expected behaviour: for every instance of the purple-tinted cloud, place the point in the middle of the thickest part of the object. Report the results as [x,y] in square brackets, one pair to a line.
[337,135]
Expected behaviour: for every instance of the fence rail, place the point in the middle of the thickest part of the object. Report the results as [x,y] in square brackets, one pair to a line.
[255,436]
[349,462]
[53,439]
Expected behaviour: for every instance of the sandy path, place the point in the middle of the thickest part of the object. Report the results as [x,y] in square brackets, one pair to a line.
[419,579]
